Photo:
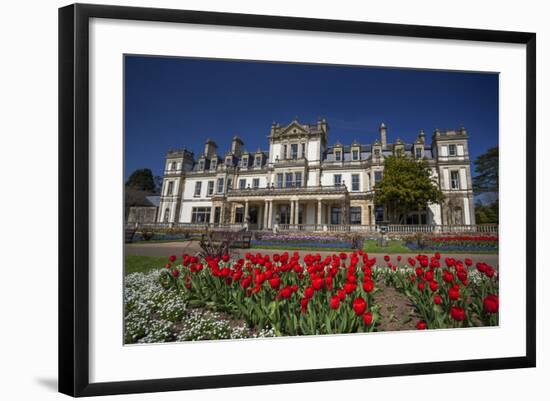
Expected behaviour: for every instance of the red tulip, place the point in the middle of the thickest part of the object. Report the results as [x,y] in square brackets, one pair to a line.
[359,306]
[490,303]
[275,282]
[335,302]
[168,265]
[286,292]
[437,299]
[367,318]
[454,293]
[308,292]
[468,261]
[225,257]
[175,272]
[368,285]
[420,285]
[172,258]
[387,258]
[457,313]
[433,286]
[421,325]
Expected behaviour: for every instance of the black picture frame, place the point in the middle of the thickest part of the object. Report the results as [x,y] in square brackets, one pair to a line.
[74,198]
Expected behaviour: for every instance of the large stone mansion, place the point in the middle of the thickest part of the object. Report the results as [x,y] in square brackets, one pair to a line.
[302,180]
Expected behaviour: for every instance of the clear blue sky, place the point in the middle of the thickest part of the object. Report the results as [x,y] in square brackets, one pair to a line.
[179,102]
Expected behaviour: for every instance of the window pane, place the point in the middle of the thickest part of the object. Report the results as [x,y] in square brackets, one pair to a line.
[355,215]
[355,182]
[242,184]
[298,179]
[198,186]
[337,179]
[220,185]
[294,151]
[288,180]
[279,180]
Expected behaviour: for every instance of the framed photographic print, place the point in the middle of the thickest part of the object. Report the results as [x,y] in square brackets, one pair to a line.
[319,193]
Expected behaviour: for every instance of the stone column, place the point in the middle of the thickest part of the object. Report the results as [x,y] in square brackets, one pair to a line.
[245,216]
[270,214]
[319,212]
[291,212]
[297,213]
[266,209]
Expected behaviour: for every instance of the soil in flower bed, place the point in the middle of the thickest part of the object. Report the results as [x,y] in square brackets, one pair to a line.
[396,310]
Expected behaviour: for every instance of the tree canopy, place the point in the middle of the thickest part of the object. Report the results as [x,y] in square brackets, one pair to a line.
[486,167]
[142,180]
[407,185]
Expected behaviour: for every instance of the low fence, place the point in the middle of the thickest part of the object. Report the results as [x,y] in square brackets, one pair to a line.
[335,228]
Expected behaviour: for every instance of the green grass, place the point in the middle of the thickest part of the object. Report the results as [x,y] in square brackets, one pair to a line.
[394,246]
[300,248]
[143,264]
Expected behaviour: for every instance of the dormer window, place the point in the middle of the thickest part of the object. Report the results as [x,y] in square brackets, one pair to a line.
[228,161]
[213,164]
[201,165]
[244,162]
[355,154]
[452,150]
[338,155]
[418,152]
[258,161]
[377,152]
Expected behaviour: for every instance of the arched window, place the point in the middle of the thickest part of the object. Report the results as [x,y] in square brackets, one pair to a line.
[166,215]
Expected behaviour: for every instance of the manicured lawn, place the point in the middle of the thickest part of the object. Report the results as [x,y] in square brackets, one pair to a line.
[299,248]
[143,264]
[371,246]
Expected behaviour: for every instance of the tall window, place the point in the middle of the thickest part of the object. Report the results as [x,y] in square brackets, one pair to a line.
[377,177]
[452,150]
[213,164]
[170,189]
[198,186]
[355,154]
[288,180]
[167,215]
[279,180]
[210,188]
[294,151]
[229,184]
[258,161]
[200,215]
[242,183]
[174,166]
[303,150]
[455,184]
[239,215]
[335,214]
[220,185]
[337,180]
[217,214]
[338,156]
[355,215]
[418,152]
[285,149]
[298,179]
[355,182]
[256,183]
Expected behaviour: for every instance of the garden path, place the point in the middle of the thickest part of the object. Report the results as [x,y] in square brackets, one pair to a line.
[192,247]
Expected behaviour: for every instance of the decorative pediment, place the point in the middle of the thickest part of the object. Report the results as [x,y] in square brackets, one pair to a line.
[294,128]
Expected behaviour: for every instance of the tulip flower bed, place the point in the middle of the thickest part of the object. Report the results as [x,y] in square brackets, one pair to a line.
[447,293]
[456,243]
[283,293]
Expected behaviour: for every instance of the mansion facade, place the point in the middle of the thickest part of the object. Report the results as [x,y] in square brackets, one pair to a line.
[302,180]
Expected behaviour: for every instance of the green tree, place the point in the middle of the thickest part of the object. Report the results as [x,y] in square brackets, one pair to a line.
[486,214]
[486,168]
[407,185]
[141,180]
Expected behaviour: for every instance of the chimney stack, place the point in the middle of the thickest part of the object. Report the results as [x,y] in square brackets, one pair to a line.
[383,136]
